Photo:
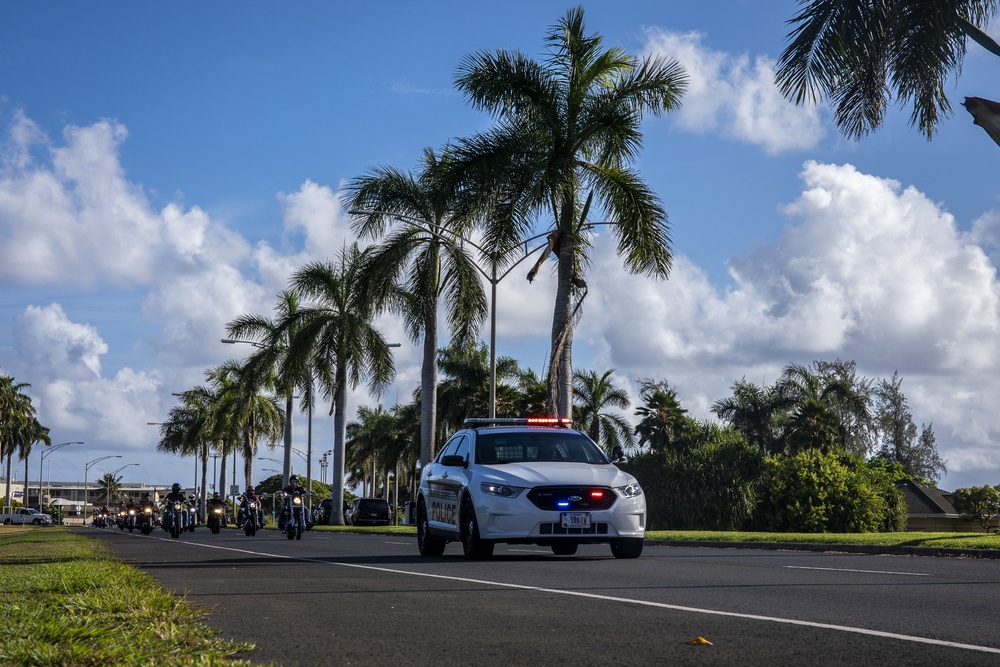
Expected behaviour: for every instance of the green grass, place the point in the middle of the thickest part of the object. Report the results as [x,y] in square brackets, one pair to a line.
[66,601]
[904,539]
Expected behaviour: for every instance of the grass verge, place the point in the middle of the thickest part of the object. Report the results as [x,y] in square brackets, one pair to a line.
[904,539]
[66,601]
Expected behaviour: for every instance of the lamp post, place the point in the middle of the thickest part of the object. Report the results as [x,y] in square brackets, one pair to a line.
[41,460]
[493,278]
[279,462]
[86,469]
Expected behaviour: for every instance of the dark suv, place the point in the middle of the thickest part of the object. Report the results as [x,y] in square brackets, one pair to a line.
[370,511]
[321,512]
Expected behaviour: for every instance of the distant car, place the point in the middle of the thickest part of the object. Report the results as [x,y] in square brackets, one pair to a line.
[321,512]
[527,481]
[368,511]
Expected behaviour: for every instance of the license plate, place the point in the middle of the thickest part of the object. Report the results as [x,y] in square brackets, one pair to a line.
[576,519]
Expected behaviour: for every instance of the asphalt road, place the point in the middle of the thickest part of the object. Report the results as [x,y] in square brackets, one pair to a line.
[352,599]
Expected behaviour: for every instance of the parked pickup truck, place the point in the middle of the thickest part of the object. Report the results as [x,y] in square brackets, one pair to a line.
[26,515]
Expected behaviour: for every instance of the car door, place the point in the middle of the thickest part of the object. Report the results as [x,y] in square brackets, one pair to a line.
[444,484]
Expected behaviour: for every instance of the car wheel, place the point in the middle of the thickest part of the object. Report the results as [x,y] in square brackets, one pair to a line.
[427,544]
[564,549]
[627,547]
[473,545]
[36,522]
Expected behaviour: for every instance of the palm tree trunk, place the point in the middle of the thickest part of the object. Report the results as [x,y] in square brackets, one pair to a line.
[287,462]
[25,497]
[204,481]
[560,377]
[7,497]
[222,473]
[428,390]
[339,440]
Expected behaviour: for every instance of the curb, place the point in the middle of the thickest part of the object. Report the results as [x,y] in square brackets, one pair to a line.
[876,550]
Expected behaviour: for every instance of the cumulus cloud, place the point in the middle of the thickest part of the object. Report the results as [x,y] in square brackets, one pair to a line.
[735,96]
[867,270]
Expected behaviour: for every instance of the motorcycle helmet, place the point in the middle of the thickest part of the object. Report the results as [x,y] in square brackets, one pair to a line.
[215,496]
[250,489]
[176,487]
[293,478]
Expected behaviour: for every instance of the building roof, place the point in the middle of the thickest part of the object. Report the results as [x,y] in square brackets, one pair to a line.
[925,500]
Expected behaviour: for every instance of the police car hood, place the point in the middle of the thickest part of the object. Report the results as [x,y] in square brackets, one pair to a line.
[556,474]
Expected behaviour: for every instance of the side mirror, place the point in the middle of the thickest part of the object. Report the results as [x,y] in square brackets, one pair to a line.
[453,461]
[618,455]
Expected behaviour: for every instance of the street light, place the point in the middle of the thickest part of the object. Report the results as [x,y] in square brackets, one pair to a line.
[86,470]
[123,468]
[41,460]
[492,277]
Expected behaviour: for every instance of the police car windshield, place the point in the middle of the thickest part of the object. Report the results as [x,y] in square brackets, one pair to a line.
[537,446]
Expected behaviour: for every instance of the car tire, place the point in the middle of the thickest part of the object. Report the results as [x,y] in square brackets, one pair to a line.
[564,549]
[427,544]
[473,545]
[627,547]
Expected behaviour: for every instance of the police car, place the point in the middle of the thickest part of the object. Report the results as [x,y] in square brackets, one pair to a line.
[527,481]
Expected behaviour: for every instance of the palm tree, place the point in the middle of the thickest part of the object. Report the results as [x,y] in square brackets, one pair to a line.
[254,414]
[664,421]
[16,416]
[863,55]
[28,436]
[755,412]
[269,363]
[337,329]
[594,395]
[190,429]
[567,130]
[109,487]
[427,260]
[816,402]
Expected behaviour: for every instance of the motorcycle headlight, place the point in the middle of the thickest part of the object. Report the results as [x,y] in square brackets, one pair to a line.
[502,490]
[297,500]
[630,490]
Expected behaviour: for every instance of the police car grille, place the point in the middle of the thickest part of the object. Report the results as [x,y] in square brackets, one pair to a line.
[557,529]
[579,498]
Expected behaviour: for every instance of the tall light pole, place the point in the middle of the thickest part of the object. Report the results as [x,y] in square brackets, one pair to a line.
[41,460]
[86,470]
[493,277]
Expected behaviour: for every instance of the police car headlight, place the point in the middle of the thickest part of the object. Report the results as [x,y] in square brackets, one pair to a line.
[502,490]
[629,490]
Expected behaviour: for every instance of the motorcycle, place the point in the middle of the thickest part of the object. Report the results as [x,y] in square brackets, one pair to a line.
[295,517]
[146,519]
[250,516]
[127,519]
[216,519]
[192,510]
[175,518]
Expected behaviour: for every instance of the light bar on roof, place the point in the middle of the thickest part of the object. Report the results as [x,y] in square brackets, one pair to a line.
[519,421]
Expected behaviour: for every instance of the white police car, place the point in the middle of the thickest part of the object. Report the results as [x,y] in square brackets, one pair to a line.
[527,481]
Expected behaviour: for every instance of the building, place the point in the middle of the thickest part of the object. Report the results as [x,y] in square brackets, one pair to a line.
[930,509]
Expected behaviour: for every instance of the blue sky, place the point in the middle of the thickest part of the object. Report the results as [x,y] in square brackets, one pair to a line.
[165,169]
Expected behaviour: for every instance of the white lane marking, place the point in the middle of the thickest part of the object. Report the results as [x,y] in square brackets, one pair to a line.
[614,598]
[844,569]
[406,544]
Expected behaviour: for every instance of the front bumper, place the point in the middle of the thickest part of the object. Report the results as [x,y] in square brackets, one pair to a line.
[518,520]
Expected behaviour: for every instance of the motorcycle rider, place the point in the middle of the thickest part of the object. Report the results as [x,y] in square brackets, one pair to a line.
[251,496]
[175,495]
[293,487]
[217,501]
[147,501]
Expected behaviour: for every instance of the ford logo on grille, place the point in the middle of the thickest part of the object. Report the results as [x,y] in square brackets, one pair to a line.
[574,499]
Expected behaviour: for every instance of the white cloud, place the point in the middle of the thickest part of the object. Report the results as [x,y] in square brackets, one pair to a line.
[47,340]
[735,96]
[869,271]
